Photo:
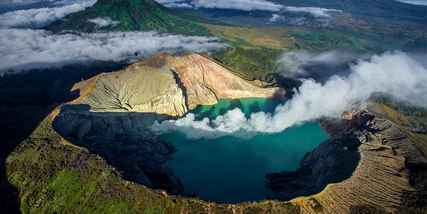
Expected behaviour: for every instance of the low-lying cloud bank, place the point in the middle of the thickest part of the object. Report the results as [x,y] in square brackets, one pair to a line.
[23,49]
[245,5]
[249,5]
[41,17]
[24,1]
[394,73]
[294,64]
[317,12]
[103,22]
[415,2]
[176,3]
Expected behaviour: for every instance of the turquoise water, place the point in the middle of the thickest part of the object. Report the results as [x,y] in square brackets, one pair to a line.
[231,169]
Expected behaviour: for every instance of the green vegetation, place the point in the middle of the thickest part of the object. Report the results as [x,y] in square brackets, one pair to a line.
[328,39]
[55,178]
[273,37]
[253,52]
[132,15]
[250,63]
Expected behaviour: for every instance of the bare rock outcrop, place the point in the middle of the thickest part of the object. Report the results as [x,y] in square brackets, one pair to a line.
[368,164]
[138,88]
[206,81]
[169,85]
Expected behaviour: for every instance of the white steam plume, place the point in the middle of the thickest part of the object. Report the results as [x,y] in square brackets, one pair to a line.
[392,73]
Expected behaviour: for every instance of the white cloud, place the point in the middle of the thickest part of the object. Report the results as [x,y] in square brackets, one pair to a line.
[414,2]
[245,5]
[276,17]
[103,21]
[249,5]
[41,17]
[24,1]
[175,3]
[314,11]
[293,63]
[26,49]
[393,73]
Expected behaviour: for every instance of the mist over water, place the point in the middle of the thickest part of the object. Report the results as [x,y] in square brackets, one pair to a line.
[232,169]
[393,73]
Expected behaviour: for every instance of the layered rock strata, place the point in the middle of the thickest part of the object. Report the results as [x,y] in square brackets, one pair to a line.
[379,159]
[170,85]
[206,81]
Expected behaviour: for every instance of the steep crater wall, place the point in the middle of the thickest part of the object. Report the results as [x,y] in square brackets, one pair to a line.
[386,176]
[114,113]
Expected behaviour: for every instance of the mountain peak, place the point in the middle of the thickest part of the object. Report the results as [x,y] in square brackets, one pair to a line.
[128,15]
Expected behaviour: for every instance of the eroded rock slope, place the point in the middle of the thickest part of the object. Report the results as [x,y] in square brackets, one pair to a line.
[170,85]
[381,161]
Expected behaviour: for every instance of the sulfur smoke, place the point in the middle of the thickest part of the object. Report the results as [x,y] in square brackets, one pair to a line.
[393,73]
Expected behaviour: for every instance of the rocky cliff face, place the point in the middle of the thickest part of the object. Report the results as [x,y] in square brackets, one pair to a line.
[114,111]
[138,88]
[169,85]
[206,81]
[379,158]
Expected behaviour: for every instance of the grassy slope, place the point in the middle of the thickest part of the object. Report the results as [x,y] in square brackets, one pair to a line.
[54,176]
[252,52]
[133,15]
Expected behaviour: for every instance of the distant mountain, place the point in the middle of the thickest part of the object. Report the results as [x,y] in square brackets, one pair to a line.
[128,15]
